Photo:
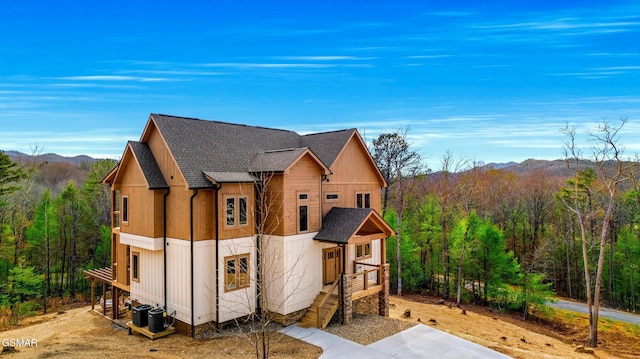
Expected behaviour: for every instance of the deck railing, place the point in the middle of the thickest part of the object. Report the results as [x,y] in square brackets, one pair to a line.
[367,276]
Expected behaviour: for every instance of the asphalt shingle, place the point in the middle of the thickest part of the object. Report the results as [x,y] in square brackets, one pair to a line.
[201,146]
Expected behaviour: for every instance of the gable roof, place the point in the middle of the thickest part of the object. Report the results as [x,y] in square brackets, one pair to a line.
[202,147]
[148,165]
[340,224]
[324,144]
[146,161]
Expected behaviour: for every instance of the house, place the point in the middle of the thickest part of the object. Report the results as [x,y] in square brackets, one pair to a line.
[196,205]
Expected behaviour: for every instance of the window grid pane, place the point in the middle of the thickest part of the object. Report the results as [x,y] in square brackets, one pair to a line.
[231,211]
[242,204]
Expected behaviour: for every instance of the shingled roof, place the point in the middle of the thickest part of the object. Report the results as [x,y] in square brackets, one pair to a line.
[148,164]
[200,146]
[340,224]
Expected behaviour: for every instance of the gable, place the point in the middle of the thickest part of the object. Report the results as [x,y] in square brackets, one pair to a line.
[138,167]
[354,163]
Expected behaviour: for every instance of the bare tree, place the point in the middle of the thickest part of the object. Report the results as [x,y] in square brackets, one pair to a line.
[399,165]
[445,195]
[611,170]
[275,283]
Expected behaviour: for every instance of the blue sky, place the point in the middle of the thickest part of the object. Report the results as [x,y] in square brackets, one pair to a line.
[491,80]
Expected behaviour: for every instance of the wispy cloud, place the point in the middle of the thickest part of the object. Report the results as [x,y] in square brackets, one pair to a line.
[256,65]
[114,78]
[323,58]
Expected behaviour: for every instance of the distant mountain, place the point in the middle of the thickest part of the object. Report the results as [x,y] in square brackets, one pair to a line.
[554,167]
[50,157]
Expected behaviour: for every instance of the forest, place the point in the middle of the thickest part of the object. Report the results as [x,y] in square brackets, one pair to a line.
[465,232]
[55,223]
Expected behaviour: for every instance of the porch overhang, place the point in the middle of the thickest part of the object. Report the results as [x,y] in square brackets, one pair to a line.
[347,225]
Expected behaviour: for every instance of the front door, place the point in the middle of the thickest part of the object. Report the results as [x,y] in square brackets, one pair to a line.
[331,264]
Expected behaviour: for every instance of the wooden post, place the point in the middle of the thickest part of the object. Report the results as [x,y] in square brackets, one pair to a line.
[93,293]
[104,299]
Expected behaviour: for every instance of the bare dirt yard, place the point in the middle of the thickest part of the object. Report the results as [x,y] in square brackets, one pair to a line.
[81,333]
[560,337]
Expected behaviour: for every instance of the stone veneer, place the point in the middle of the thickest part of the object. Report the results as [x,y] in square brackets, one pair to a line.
[383,295]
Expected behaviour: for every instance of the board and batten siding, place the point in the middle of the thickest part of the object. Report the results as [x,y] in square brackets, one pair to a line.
[294,272]
[149,288]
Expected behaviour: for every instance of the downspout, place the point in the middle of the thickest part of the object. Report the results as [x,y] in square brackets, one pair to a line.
[164,237]
[193,314]
[259,198]
[342,273]
[216,188]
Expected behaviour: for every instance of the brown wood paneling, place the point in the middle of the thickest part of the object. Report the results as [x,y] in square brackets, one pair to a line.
[275,205]
[236,190]
[353,165]
[302,177]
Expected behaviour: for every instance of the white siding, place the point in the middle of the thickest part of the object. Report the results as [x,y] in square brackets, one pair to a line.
[237,303]
[149,289]
[294,271]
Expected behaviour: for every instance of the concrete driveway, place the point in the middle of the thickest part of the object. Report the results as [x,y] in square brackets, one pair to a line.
[602,313]
[419,341]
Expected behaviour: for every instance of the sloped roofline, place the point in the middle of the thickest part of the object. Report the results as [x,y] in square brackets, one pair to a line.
[129,152]
[372,162]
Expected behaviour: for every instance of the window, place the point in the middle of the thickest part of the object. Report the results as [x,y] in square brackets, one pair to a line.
[363,200]
[304,218]
[303,212]
[125,209]
[231,211]
[332,197]
[242,208]
[135,266]
[237,272]
[363,250]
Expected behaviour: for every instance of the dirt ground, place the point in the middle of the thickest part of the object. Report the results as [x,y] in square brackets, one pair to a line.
[80,332]
[509,334]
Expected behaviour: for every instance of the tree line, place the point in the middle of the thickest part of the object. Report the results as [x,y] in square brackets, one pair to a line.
[51,229]
[470,233]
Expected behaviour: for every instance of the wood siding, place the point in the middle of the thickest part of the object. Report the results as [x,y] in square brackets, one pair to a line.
[302,177]
[352,173]
[235,190]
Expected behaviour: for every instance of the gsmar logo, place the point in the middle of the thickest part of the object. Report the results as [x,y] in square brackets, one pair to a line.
[19,342]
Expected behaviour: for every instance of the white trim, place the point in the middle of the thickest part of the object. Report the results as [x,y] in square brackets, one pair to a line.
[134,240]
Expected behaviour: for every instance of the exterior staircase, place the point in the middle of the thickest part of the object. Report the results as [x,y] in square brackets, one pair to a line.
[322,309]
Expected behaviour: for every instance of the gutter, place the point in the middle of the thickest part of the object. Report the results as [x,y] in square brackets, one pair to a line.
[164,236]
[193,314]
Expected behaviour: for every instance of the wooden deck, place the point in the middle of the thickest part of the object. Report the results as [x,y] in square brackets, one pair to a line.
[360,290]
[147,333]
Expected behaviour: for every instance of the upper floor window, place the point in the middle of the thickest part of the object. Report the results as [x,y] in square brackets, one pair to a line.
[231,211]
[332,197]
[303,212]
[242,209]
[236,211]
[236,272]
[363,200]
[124,211]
